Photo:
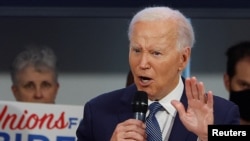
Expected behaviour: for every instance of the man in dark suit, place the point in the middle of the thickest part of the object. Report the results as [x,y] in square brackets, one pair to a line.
[161,39]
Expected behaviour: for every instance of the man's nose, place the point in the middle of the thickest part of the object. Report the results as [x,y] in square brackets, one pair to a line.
[144,62]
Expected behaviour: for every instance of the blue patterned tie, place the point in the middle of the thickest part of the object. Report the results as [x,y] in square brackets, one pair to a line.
[153,129]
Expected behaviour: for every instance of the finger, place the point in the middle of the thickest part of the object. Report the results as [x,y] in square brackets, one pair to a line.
[194,88]
[210,100]
[201,91]
[179,107]
[131,129]
[129,125]
[136,132]
[188,88]
[132,122]
[137,128]
[134,136]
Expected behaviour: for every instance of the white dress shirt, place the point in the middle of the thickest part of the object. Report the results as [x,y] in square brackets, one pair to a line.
[166,117]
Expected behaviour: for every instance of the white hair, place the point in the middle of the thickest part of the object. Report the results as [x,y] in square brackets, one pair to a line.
[185,33]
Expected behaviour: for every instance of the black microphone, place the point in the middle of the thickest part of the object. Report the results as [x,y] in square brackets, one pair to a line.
[140,105]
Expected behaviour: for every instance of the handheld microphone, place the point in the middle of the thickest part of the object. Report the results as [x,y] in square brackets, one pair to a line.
[140,105]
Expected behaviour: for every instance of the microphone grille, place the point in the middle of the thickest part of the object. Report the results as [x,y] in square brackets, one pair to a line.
[140,102]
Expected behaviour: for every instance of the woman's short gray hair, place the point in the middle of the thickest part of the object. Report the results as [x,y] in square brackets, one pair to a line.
[41,58]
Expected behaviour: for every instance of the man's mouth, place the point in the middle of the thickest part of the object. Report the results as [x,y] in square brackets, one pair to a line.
[144,79]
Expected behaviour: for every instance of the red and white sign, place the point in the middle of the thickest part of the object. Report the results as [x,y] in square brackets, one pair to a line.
[20,121]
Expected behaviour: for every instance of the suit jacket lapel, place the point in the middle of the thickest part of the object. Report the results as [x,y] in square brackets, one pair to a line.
[179,132]
[125,109]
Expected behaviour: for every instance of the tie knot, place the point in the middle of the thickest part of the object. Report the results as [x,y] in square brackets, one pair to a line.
[154,107]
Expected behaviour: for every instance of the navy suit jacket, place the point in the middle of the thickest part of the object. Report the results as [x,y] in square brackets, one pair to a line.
[103,113]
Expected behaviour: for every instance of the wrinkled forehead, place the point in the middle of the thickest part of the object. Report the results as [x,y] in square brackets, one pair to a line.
[163,32]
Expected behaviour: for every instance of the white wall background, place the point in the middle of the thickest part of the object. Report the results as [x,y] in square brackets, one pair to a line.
[77,89]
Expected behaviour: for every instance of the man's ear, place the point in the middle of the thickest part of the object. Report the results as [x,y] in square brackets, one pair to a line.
[185,56]
[226,81]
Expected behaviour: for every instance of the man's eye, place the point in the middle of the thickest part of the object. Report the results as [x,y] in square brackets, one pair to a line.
[245,85]
[156,53]
[136,50]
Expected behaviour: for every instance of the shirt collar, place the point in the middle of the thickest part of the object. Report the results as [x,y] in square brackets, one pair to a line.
[175,94]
